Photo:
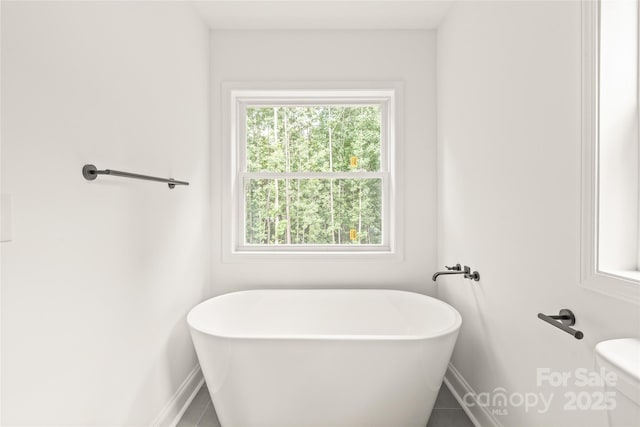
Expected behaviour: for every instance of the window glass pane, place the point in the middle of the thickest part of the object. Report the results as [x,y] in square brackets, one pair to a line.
[618,151]
[313,211]
[315,138]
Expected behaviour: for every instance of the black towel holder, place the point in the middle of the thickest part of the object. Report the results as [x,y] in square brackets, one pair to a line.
[563,321]
[90,172]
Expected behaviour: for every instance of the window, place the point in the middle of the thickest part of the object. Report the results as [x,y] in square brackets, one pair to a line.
[313,171]
[611,149]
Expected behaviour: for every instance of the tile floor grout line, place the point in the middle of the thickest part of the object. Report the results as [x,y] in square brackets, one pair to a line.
[203,412]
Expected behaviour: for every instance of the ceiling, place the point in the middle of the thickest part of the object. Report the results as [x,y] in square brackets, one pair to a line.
[322,14]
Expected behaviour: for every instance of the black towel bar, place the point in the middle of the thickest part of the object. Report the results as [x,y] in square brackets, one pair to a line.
[90,172]
[563,321]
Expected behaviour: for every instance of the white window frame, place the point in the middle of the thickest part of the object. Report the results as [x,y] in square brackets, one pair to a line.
[624,286]
[236,97]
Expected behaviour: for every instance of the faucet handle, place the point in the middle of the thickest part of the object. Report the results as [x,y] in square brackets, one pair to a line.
[456,267]
[469,275]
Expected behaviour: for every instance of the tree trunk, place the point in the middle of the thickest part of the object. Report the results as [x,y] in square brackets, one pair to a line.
[359,211]
[277,195]
[268,219]
[287,165]
[333,223]
[340,228]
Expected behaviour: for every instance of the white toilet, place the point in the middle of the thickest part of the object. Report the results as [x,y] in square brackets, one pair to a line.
[622,357]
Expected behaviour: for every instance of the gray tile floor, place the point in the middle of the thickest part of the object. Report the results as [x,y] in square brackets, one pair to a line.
[200,413]
[446,412]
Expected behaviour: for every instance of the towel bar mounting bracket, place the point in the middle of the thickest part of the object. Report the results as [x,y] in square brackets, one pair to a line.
[567,317]
[89,172]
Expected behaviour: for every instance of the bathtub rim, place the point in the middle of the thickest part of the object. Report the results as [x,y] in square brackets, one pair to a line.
[454,329]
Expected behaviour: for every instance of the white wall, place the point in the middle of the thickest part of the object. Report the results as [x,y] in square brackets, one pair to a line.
[509,200]
[100,275]
[338,56]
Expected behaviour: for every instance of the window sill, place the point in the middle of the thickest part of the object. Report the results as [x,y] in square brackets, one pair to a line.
[271,256]
[620,284]
[630,275]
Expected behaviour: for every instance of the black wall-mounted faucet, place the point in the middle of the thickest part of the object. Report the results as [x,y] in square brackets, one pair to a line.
[457,270]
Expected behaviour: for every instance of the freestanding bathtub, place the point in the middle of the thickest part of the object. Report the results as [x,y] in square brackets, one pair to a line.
[323,358]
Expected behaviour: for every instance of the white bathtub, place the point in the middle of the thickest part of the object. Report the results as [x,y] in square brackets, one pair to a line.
[323,358]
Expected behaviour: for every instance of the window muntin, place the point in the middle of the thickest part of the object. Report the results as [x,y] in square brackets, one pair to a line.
[326,157]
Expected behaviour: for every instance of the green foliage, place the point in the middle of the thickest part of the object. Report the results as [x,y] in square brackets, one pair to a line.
[314,210]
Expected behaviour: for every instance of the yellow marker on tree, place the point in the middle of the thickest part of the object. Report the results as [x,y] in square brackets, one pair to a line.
[353,234]
[354,162]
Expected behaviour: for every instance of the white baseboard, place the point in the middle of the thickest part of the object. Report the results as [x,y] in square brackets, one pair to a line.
[479,415]
[170,415]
